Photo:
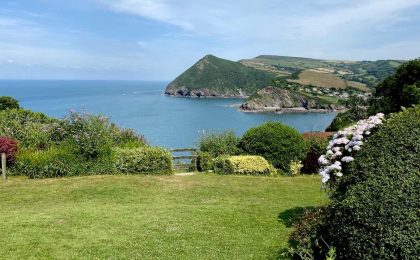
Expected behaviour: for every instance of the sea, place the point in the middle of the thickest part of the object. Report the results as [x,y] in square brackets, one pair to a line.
[170,122]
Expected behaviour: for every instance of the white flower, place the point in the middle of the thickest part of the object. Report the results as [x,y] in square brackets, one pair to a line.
[344,144]
[357,137]
[356,148]
[322,160]
[347,159]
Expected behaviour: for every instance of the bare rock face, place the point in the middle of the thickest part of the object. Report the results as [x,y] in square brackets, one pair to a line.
[278,99]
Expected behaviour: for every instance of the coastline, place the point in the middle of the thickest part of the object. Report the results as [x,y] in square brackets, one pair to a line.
[274,110]
[277,110]
[205,97]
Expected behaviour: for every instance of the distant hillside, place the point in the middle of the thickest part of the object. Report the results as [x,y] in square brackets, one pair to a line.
[212,76]
[326,73]
[215,77]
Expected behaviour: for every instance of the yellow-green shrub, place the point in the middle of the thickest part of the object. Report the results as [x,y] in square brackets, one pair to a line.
[145,160]
[243,164]
[295,167]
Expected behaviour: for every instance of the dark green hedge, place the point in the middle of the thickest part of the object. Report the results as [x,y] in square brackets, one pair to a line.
[375,213]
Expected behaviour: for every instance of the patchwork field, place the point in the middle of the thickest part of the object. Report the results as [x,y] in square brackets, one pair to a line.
[320,79]
[170,217]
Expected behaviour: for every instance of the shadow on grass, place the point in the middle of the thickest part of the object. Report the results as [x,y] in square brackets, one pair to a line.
[292,216]
[289,218]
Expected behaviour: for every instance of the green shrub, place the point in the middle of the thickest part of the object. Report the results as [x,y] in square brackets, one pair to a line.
[146,160]
[219,144]
[278,143]
[90,135]
[204,161]
[32,130]
[8,103]
[52,162]
[243,164]
[374,213]
[317,147]
[126,138]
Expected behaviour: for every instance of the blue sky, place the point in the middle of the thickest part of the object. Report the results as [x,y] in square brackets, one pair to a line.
[158,39]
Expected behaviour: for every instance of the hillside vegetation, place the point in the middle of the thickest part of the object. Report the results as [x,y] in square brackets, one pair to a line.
[215,77]
[212,76]
[369,73]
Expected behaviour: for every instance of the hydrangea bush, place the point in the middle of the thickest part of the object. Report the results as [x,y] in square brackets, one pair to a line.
[343,146]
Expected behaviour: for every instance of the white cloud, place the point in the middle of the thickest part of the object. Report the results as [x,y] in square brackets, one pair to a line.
[264,19]
[232,29]
[358,14]
[156,10]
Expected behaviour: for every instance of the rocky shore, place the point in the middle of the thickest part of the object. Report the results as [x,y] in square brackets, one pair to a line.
[204,93]
[278,100]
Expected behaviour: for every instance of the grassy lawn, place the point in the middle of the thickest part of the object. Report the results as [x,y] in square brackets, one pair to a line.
[171,217]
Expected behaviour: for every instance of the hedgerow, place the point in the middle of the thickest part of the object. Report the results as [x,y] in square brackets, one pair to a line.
[49,163]
[374,213]
[243,164]
[144,160]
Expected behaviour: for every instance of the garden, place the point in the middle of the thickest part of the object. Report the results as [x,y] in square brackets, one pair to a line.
[255,196]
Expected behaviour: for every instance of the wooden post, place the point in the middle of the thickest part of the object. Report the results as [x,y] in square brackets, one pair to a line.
[3,167]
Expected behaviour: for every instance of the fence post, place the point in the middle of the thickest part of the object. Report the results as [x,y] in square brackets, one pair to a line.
[3,167]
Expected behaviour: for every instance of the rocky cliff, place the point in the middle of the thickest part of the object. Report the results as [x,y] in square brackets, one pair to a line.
[274,99]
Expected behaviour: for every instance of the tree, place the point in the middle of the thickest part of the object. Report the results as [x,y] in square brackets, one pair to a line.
[8,103]
[400,90]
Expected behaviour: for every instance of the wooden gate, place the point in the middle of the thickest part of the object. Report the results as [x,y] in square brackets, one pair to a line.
[184,159]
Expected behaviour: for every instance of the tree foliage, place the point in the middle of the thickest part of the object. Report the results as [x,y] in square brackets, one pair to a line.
[278,143]
[8,103]
[399,90]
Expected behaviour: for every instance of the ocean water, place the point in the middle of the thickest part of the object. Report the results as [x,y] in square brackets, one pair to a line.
[165,121]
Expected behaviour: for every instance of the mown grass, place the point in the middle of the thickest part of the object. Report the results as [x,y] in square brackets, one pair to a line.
[170,217]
